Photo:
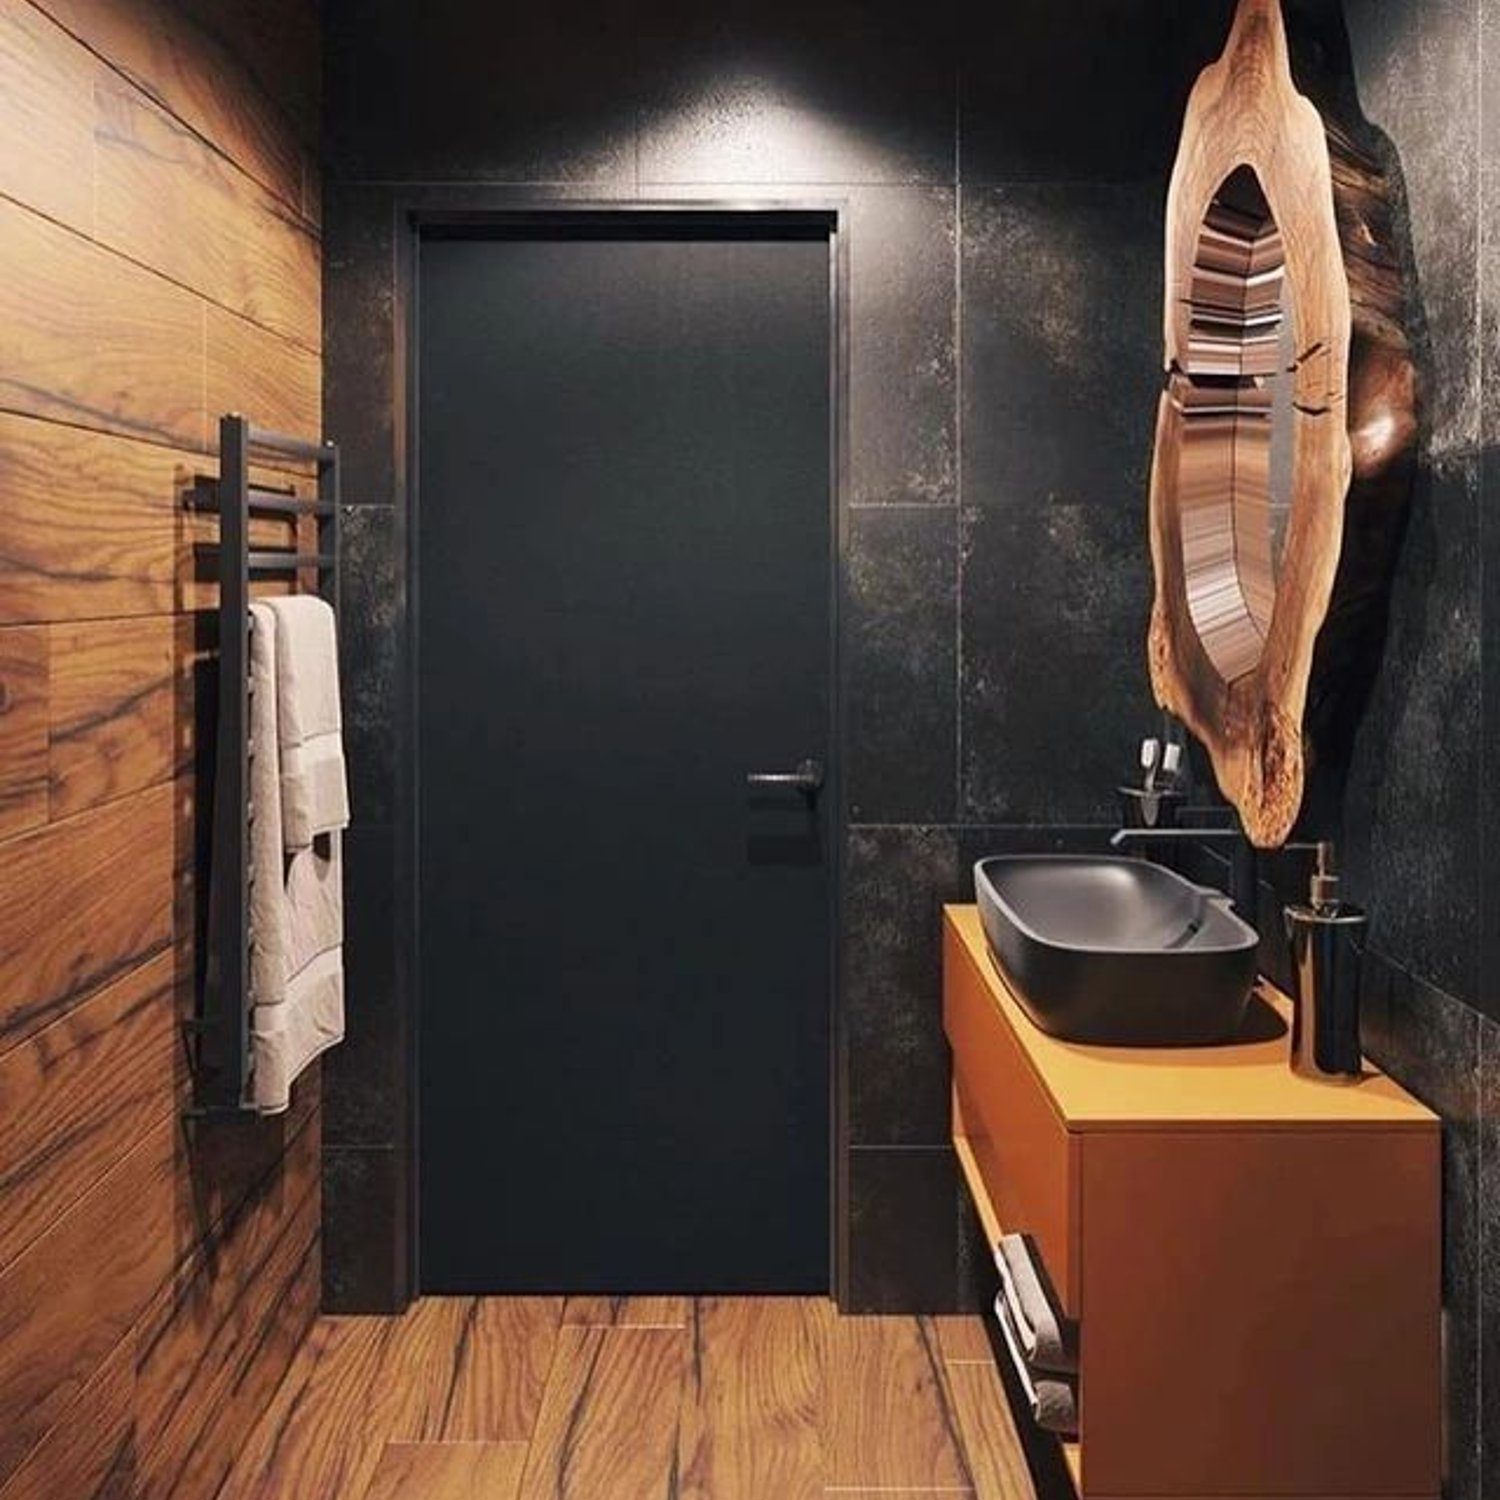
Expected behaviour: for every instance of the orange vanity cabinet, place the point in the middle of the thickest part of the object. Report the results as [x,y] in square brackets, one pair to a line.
[1253,1259]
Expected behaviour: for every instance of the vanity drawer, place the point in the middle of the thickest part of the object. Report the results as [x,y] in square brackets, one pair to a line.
[1020,1147]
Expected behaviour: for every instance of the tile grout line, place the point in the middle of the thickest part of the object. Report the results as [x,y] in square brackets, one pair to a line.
[959,797]
[1485,774]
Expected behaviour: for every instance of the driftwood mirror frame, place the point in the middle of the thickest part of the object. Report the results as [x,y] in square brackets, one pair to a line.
[1245,696]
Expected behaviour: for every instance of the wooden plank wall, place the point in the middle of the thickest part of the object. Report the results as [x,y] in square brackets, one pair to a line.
[159,262]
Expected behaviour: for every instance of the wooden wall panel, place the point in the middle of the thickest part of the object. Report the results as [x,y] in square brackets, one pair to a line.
[164,1415]
[78,1094]
[250,370]
[277,43]
[47,108]
[205,1340]
[117,699]
[199,78]
[224,1164]
[165,198]
[94,526]
[23,728]
[90,1454]
[89,524]
[159,263]
[69,1299]
[83,902]
[91,339]
[192,1462]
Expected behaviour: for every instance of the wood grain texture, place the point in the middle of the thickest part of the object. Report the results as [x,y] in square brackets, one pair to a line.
[1233,651]
[138,1430]
[78,1094]
[755,1398]
[1245,110]
[504,1350]
[892,1423]
[90,339]
[962,1339]
[215,1345]
[627,1312]
[197,76]
[608,1423]
[25,691]
[69,1299]
[222,1162]
[120,713]
[166,199]
[89,1455]
[448,1471]
[89,523]
[84,901]
[322,1433]
[434,1356]
[46,101]
[356,1384]
[278,44]
[154,1280]
[251,370]
[987,1429]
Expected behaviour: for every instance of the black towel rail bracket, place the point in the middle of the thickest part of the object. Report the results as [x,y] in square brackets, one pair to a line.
[218,1036]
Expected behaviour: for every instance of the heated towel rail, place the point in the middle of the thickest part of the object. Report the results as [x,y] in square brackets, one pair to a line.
[219,1034]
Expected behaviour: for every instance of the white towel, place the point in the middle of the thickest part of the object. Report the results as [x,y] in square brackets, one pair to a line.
[314,787]
[296,907]
[1052,1399]
[1047,1339]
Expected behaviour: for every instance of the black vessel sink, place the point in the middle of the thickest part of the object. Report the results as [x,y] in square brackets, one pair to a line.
[1116,952]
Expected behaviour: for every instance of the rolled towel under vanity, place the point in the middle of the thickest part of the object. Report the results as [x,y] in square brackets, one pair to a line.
[1048,1340]
[1053,1398]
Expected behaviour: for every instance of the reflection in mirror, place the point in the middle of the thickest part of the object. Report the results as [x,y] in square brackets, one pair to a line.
[1235,396]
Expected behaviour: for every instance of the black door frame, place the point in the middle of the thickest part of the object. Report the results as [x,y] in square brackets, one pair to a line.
[499,209]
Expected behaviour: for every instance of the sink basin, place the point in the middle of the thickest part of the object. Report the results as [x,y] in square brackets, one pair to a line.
[1116,952]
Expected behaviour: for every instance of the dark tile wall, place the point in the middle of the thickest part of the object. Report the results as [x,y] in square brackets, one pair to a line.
[1419,823]
[1005,177]
[366,1122]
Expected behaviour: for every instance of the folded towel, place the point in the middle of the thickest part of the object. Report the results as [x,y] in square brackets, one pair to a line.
[1053,1399]
[1047,1339]
[314,788]
[296,907]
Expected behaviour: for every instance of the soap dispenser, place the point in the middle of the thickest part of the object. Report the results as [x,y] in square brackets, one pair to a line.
[1326,937]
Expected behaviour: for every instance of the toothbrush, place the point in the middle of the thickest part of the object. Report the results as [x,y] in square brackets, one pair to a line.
[1150,756]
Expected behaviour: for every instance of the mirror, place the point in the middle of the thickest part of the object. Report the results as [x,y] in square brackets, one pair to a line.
[1236,397]
[1252,460]
[1286,424]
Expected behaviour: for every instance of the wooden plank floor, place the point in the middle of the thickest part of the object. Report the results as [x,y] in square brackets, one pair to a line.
[650,1398]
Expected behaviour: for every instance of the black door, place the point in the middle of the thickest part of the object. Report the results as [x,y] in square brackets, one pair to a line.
[623,545]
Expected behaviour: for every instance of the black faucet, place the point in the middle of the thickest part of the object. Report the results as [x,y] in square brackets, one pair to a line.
[1242,869]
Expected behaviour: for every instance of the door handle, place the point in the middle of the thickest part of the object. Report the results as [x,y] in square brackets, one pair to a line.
[807,778]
